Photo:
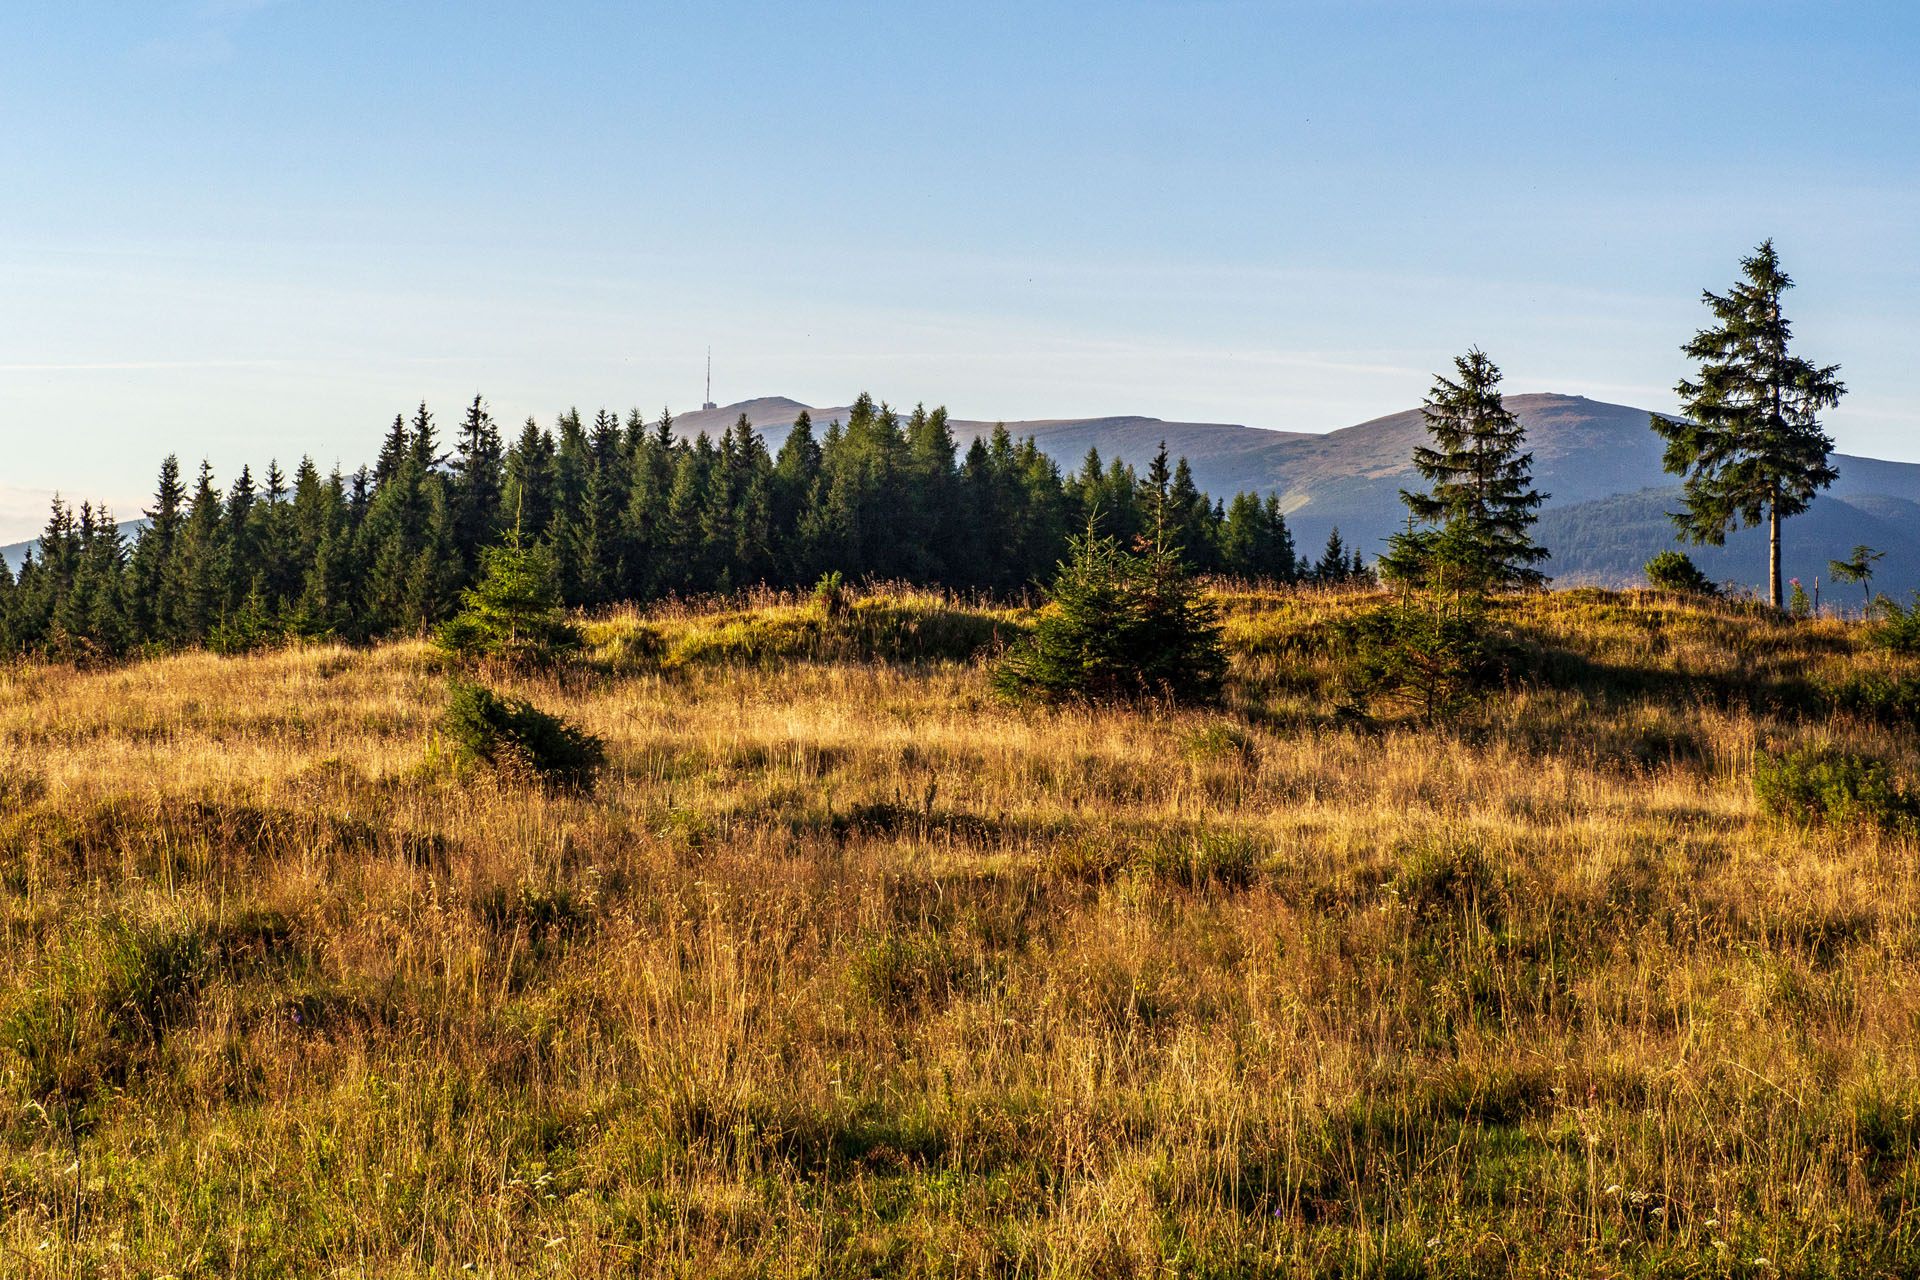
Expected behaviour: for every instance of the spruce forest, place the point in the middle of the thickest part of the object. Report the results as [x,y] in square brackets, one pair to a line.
[628,511]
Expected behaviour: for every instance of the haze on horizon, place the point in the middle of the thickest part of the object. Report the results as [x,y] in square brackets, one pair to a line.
[244,229]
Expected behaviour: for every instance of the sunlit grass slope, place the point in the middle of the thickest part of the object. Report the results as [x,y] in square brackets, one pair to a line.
[849,969]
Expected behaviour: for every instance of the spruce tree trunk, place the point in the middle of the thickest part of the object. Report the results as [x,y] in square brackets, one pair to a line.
[1773,552]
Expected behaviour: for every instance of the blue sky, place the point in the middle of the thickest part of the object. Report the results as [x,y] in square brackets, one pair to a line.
[241,229]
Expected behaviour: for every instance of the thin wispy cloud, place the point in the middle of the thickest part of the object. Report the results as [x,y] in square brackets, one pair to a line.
[130,366]
[21,508]
[187,51]
[204,34]
[24,511]
[220,10]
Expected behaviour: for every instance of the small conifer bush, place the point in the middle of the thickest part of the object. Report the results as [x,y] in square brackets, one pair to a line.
[514,611]
[1119,626]
[1431,657]
[246,630]
[1430,651]
[512,732]
[831,594]
[1676,571]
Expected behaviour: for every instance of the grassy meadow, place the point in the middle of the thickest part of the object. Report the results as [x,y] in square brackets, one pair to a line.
[848,968]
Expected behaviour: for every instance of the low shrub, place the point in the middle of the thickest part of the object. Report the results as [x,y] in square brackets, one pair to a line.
[875,630]
[1221,741]
[1094,858]
[830,593]
[1838,788]
[537,909]
[1445,879]
[1877,698]
[1656,740]
[639,647]
[19,788]
[488,728]
[1676,571]
[1895,628]
[1799,603]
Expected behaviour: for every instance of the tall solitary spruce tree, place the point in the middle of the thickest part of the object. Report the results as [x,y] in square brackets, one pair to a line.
[1750,444]
[1483,496]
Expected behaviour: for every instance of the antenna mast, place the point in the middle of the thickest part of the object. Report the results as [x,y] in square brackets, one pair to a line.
[708,404]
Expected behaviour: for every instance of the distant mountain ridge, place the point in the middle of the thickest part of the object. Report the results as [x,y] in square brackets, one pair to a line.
[1599,462]
[773,416]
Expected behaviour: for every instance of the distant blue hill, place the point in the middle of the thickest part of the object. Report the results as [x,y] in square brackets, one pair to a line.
[1605,540]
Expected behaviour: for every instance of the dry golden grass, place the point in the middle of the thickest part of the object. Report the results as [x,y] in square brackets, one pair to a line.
[848,969]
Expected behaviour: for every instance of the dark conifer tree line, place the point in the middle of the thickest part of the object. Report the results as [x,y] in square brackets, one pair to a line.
[625,509]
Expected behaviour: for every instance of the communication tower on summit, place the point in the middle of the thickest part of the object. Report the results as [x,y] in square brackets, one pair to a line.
[709,404]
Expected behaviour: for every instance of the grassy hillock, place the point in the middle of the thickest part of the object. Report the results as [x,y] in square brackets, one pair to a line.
[847,968]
